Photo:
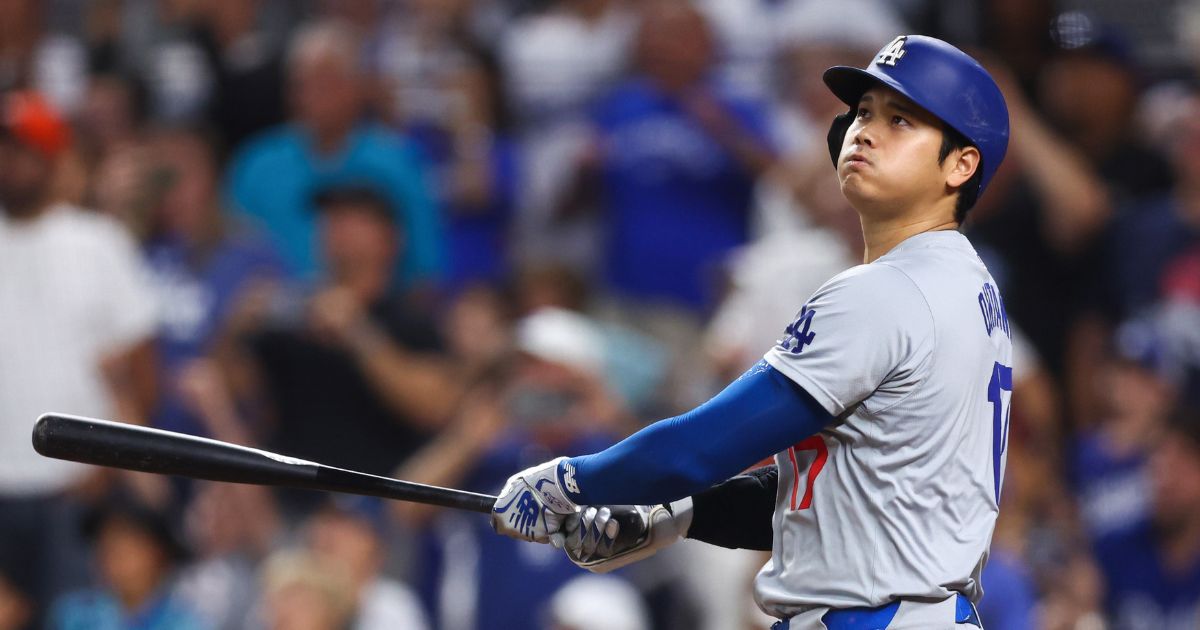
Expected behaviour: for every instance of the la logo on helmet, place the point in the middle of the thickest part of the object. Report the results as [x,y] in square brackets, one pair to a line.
[892,52]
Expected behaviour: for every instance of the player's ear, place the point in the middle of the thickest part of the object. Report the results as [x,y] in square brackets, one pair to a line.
[962,165]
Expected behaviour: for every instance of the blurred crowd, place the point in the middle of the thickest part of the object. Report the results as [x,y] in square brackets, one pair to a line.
[448,239]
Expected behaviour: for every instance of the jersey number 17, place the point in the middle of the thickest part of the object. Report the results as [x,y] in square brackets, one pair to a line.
[1001,382]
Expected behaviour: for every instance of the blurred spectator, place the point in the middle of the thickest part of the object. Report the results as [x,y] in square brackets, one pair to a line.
[246,65]
[33,58]
[1039,573]
[477,182]
[1143,236]
[303,592]
[155,42]
[597,602]
[351,532]
[137,552]
[218,61]
[675,161]
[329,143]
[478,330]
[1010,601]
[1154,230]
[233,527]
[1178,319]
[555,63]
[551,285]
[352,372]
[77,319]
[202,264]
[1075,599]
[15,608]
[443,93]
[1153,571]
[1014,30]
[1109,470]
[747,60]
[635,364]
[1089,89]
[551,399]
[111,117]
[434,71]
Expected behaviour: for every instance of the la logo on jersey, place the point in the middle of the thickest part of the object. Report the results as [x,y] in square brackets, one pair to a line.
[892,52]
[797,334]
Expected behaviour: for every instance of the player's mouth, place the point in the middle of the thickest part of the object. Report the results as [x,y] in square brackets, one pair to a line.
[856,162]
[857,158]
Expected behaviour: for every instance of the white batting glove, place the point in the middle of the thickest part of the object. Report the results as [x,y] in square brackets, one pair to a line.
[604,538]
[532,506]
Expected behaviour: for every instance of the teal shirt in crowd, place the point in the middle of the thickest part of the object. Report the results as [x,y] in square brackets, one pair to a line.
[99,610]
[274,177]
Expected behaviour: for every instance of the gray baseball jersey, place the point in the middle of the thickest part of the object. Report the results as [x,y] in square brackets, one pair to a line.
[898,496]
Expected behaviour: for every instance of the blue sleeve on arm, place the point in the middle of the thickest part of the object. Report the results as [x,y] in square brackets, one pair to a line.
[761,413]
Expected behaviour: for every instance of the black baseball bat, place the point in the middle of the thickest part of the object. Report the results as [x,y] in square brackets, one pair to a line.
[119,445]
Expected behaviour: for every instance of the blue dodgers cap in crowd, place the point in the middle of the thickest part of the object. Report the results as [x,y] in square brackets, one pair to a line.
[1141,342]
[944,81]
[1079,32]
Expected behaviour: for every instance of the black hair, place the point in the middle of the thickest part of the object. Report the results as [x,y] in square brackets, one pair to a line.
[364,196]
[968,193]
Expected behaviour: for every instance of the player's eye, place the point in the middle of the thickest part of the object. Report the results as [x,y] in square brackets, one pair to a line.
[899,120]
[862,112]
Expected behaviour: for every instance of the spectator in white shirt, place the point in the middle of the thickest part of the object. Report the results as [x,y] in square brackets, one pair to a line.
[75,320]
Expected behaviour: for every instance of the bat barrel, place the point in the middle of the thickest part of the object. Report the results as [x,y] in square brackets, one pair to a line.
[119,445]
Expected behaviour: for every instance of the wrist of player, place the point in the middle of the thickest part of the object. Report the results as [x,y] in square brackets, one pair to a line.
[605,538]
[532,506]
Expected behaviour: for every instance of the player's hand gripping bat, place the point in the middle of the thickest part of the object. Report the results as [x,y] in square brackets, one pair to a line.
[118,445]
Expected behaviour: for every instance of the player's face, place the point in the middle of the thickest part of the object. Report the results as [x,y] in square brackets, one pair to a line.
[889,159]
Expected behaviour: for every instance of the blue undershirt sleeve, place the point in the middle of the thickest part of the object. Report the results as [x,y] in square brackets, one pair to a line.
[761,413]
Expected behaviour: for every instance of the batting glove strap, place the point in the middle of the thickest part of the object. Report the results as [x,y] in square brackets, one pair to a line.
[603,539]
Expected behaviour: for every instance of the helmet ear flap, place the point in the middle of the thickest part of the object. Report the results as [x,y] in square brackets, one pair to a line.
[837,134]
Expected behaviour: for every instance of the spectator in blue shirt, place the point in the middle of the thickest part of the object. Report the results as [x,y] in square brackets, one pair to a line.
[202,267]
[1009,597]
[551,396]
[676,158]
[328,142]
[1153,571]
[1150,231]
[1109,468]
[137,549]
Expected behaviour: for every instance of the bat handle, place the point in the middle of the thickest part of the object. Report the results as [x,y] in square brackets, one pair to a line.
[633,529]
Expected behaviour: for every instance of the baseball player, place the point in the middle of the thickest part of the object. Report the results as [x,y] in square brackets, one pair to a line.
[885,403]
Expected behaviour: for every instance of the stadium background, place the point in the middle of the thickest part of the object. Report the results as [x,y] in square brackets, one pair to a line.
[442,239]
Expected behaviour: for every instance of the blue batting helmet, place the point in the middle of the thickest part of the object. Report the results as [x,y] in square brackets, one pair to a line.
[940,78]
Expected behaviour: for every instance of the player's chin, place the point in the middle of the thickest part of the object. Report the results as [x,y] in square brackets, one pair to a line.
[863,193]
[856,185]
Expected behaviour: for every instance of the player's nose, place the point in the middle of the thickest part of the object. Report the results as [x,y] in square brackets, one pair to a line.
[863,135]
